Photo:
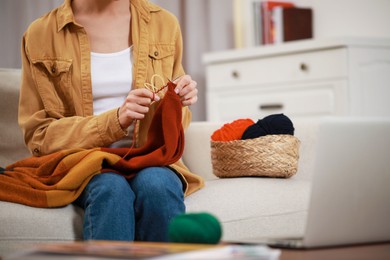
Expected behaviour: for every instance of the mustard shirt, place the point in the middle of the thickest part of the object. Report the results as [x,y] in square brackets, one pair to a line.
[56,103]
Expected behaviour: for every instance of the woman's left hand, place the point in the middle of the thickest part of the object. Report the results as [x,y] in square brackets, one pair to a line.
[186,89]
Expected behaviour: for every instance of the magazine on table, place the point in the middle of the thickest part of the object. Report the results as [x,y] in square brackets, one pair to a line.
[146,250]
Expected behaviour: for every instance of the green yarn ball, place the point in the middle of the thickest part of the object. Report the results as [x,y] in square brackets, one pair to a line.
[195,228]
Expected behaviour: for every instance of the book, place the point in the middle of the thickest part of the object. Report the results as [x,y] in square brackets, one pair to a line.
[268,30]
[243,22]
[297,23]
[257,23]
[233,252]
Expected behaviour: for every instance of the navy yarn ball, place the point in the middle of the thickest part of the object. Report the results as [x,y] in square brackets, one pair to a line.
[269,125]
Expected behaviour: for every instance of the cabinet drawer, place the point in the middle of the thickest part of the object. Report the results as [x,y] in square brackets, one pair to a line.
[256,105]
[325,64]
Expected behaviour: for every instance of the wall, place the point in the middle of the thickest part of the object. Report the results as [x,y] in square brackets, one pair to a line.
[15,16]
[334,18]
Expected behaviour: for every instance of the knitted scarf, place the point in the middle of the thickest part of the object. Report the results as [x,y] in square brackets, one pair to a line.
[58,179]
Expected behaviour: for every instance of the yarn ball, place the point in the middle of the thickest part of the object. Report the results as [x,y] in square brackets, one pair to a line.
[232,131]
[195,228]
[270,125]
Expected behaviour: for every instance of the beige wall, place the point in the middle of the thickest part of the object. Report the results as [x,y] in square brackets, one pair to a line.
[334,18]
[15,16]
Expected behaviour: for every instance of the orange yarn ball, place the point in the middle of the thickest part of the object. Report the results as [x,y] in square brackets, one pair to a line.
[232,131]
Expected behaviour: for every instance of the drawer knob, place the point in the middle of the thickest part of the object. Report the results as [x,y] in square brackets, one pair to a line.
[304,67]
[235,74]
[271,106]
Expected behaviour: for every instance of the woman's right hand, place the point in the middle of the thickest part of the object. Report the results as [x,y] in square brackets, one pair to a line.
[135,106]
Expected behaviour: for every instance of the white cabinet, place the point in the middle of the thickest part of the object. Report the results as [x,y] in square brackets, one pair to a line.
[300,79]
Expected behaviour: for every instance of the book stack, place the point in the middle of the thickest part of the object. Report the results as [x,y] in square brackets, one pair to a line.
[276,22]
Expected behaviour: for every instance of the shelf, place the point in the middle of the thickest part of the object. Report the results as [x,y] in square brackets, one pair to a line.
[292,47]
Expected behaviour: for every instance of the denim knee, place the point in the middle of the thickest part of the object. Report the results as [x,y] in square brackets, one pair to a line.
[157,180]
[112,185]
[159,198]
[106,187]
[108,202]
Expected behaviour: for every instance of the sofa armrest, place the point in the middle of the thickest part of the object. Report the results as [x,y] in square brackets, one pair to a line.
[197,151]
[306,130]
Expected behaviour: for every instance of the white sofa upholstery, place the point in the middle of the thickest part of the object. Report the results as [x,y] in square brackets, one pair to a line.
[247,207]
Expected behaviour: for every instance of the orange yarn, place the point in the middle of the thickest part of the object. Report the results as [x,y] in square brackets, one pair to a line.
[232,131]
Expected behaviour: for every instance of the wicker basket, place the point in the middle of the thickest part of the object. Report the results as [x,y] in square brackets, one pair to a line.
[266,156]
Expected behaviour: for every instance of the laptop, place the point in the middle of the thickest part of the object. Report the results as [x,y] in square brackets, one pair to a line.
[350,195]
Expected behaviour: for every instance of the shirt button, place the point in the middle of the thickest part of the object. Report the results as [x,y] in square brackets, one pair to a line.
[53,69]
[36,150]
[156,53]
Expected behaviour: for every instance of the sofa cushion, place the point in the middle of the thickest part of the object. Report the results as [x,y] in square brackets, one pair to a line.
[12,147]
[22,224]
[254,207]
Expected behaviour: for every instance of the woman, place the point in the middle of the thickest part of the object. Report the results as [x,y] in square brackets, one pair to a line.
[85,65]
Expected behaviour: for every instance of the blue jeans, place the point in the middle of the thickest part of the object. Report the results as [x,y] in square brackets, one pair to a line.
[137,209]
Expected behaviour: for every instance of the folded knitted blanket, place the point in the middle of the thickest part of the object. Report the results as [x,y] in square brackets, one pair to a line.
[58,179]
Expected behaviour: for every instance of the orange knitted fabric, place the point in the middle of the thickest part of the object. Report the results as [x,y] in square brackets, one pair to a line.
[232,131]
[165,142]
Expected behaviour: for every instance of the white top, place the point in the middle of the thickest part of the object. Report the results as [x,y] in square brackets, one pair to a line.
[111,75]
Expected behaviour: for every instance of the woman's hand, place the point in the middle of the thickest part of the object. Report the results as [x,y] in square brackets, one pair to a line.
[135,106]
[186,89]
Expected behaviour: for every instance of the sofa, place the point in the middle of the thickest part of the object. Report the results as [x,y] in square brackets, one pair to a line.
[247,207]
